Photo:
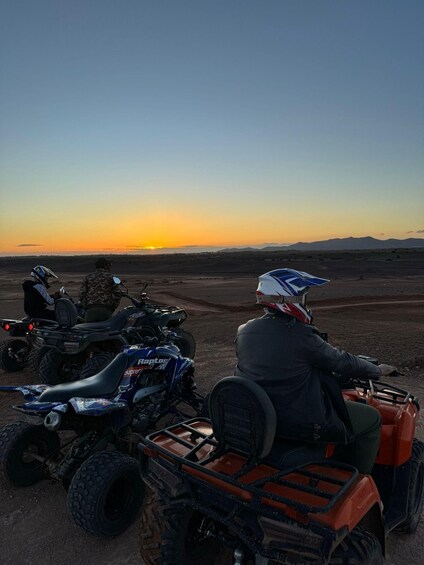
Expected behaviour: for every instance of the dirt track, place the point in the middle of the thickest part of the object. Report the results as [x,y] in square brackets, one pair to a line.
[34,525]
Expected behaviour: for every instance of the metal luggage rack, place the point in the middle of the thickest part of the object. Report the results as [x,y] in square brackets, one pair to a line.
[182,463]
[388,392]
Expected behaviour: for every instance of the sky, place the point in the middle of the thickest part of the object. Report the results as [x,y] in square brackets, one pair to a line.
[131,125]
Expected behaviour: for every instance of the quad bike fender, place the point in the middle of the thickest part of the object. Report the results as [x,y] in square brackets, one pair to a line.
[32,393]
[36,408]
[360,506]
[168,318]
[174,319]
[399,412]
[361,502]
[397,433]
[29,392]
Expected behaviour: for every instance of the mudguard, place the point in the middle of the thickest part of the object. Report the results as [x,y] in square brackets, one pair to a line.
[29,392]
[36,408]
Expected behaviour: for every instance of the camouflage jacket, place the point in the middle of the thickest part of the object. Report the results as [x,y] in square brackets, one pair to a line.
[98,289]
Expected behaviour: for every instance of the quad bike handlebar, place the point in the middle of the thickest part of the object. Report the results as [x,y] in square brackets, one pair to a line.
[141,302]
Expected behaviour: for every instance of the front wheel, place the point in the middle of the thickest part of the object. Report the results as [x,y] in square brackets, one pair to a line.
[56,367]
[106,493]
[185,343]
[415,490]
[14,355]
[23,447]
[175,534]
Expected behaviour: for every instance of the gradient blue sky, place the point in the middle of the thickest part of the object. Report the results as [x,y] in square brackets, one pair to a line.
[128,124]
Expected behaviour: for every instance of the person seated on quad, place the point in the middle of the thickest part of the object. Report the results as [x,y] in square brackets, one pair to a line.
[98,293]
[284,353]
[36,298]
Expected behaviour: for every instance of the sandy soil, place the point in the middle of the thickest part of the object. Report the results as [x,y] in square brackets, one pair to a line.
[373,306]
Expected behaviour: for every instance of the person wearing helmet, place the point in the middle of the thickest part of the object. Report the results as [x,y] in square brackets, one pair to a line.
[284,353]
[98,293]
[36,298]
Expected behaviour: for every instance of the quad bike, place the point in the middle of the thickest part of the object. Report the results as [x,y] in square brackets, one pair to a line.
[17,354]
[223,485]
[77,351]
[102,417]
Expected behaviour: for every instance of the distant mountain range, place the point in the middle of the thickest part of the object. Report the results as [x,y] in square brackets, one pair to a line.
[341,244]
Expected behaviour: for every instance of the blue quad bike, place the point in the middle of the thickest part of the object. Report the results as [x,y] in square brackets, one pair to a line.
[84,434]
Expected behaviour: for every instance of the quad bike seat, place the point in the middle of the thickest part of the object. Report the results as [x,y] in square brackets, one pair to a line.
[67,317]
[117,322]
[66,313]
[103,384]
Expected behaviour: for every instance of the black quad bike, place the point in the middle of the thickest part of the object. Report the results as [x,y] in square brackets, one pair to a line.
[18,353]
[77,351]
[223,487]
[85,434]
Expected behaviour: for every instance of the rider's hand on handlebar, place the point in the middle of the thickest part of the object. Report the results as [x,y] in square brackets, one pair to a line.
[388,370]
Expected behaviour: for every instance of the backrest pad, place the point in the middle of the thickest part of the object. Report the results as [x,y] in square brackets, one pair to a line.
[243,417]
[66,313]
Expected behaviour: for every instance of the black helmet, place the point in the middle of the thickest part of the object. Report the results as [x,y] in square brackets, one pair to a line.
[41,274]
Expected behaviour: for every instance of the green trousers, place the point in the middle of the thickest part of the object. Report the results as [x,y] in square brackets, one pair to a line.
[366,425]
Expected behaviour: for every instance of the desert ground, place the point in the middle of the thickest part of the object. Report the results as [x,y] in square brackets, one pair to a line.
[374,305]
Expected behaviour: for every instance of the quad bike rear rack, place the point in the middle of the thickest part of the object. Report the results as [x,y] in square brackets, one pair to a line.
[314,487]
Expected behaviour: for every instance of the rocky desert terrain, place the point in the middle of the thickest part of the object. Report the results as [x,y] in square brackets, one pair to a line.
[374,306]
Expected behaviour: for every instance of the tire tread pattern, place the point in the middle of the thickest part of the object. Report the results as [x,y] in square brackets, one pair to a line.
[10,436]
[86,489]
[360,547]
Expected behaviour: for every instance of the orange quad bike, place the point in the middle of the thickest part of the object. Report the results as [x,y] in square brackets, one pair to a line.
[223,490]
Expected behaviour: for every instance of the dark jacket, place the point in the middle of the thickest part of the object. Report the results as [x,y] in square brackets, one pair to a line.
[295,366]
[36,300]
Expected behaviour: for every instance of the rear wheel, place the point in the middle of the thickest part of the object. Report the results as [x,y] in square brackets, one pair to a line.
[360,547]
[14,355]
[185,343]
[56,367]
[106,493]
[415,490]
[96,363]
[175,534]
[21,447]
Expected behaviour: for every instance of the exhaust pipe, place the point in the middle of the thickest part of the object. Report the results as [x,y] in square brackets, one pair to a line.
[52,421]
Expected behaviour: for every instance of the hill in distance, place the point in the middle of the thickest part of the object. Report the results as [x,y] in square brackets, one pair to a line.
[343,244]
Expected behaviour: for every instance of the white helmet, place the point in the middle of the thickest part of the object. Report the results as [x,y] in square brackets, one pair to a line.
[41,274]
[285,290]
